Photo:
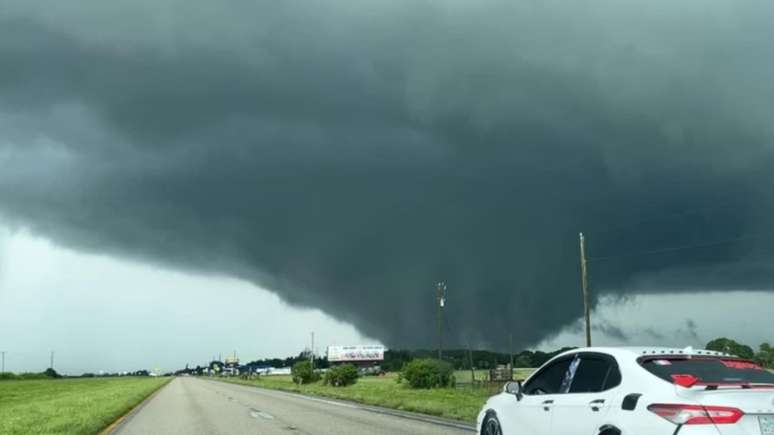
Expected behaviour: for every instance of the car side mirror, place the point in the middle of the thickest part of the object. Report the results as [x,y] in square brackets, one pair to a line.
[514,388]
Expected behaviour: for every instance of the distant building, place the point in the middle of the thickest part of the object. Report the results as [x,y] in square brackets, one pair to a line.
[232,361]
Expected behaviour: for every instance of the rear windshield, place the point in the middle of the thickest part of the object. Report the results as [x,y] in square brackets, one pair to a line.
[709,370]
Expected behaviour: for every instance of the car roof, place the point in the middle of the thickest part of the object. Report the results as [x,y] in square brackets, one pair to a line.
[638,351]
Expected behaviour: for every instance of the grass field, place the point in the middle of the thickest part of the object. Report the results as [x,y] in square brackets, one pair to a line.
[483,375]
[457,403]
[69,406]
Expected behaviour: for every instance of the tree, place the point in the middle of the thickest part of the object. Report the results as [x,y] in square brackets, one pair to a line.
[522,361]
[765,355]
[730,346]
[303,373]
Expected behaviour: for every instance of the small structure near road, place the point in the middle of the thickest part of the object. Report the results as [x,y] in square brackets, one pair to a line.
[232,365]
[502,373]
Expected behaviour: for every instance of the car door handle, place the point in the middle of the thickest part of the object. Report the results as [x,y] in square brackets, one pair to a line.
[547,404]
[596,405]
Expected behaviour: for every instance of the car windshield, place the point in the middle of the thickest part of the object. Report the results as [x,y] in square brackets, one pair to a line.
[709,370]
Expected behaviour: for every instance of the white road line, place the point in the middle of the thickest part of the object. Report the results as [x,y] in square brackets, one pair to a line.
[260,414]
[329,402]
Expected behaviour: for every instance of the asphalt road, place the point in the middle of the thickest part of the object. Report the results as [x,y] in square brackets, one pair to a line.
[194,406]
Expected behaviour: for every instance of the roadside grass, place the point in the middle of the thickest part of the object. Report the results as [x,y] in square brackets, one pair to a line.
[70,406]
[455,403]
[483,375]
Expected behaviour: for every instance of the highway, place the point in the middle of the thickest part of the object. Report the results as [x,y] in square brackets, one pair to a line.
[194,406]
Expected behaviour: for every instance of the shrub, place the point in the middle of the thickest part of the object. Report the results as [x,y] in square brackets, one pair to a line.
[26,376]
[428,373]
[341,376]
[303,373]
[51,373]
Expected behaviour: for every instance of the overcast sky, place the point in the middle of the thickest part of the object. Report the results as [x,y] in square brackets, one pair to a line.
[97,313]
[344,156]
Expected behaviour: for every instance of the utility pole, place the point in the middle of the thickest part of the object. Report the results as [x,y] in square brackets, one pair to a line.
[472,370]
[311,352]
[585,288]
[3,369]
[441,304]
[52,360]
[510,346]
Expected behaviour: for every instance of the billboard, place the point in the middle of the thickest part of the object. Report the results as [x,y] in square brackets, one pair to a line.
[355,353]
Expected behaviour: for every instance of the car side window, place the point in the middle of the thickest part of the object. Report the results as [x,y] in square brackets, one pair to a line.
[613,378]
[595,374]
[549,380]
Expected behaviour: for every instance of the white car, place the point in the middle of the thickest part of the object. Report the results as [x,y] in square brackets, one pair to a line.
[636,391]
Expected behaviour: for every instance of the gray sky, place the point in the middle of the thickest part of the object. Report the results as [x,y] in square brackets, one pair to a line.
[676,320]
[348,155]
[98,313]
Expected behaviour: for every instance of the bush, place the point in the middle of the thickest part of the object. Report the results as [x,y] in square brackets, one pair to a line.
[51,373]
[341,376]
[303,373]
[428,373]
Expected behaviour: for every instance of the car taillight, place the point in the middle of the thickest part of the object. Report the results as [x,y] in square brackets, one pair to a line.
[696,414]
[686,381]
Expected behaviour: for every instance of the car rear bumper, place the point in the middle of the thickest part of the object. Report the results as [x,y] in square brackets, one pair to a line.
[705,429]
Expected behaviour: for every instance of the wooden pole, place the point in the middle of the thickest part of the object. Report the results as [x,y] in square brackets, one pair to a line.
[472,370]
[510,345]
[585,288]
[441,304]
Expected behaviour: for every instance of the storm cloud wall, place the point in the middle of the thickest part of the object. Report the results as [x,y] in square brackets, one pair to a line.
[349,155]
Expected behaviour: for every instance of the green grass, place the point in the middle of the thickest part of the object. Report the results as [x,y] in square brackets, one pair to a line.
[482,375]
[457,403]
[69,406]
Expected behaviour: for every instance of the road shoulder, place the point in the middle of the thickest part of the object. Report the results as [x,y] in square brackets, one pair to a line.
[122,420]
[425,418]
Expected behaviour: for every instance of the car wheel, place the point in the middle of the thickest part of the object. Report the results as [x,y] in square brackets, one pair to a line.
[491,426]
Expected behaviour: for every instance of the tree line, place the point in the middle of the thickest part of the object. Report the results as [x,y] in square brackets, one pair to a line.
[764,356]
[460,359]
[394,360]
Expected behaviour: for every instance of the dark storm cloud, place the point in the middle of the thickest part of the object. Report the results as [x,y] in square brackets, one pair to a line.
[604,328]
[690,331]
[653,334]
[348,155]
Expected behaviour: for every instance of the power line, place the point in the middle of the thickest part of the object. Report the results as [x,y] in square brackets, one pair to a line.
[716,205]
[670,216]
[686,247]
